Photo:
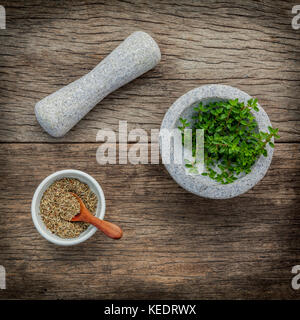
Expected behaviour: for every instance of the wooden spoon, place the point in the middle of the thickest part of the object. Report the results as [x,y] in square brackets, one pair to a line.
[110,229]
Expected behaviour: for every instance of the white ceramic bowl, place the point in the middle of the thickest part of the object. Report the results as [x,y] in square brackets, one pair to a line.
[35,206]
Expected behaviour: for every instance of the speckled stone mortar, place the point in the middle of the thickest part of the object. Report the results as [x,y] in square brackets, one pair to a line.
[203,185]
[60,111]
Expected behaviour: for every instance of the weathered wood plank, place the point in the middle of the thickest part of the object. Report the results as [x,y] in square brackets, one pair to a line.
[250,45]
[176,245]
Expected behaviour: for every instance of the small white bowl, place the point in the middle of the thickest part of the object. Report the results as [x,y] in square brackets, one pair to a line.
[35,206]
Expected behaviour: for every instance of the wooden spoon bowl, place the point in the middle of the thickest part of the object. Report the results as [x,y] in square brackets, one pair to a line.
[111,230]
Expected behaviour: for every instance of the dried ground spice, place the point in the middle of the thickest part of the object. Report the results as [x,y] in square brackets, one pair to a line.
[58,206]
[67,206]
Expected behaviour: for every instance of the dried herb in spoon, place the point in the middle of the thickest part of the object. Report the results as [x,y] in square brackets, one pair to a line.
[67,206]
[58,206]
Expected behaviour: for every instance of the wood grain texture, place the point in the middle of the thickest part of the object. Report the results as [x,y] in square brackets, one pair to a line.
[175,245]
[250,45]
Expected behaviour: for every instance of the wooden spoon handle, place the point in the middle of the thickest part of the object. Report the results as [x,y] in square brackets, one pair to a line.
[111,230]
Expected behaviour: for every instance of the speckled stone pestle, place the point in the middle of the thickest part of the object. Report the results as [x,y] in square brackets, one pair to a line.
[60,111]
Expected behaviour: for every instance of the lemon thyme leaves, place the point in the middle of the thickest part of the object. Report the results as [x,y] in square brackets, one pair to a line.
[232,142]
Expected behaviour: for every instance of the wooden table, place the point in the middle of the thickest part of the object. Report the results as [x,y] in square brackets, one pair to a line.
[175,245]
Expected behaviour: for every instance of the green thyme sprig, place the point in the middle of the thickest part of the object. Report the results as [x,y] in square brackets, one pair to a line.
[232,142]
